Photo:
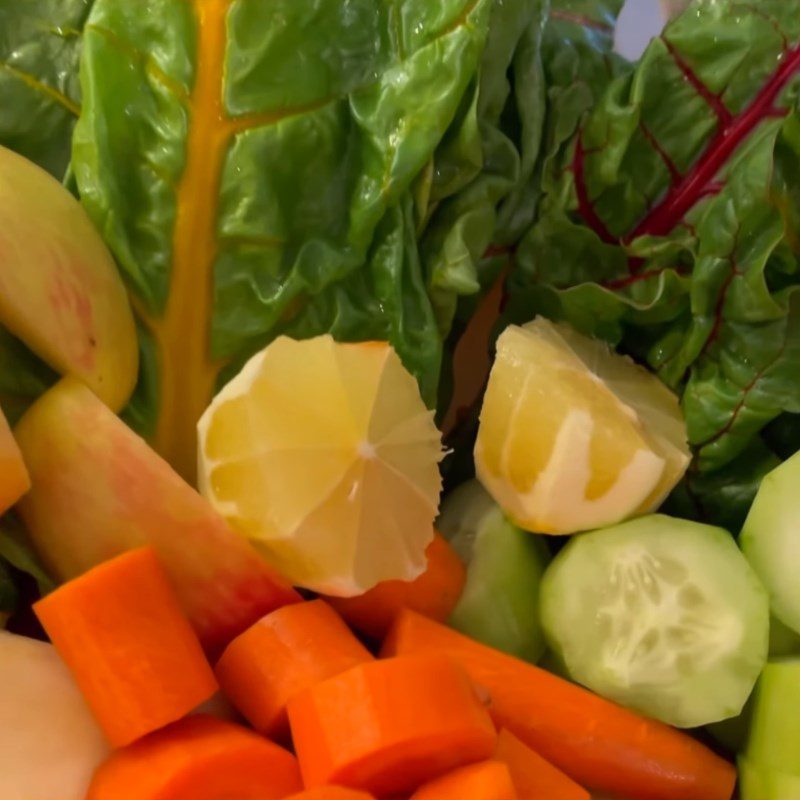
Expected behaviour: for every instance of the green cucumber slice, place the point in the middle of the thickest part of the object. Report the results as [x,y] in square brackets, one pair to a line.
[758,783]
[500,602]
[774,741]
[659,614]
[770,539]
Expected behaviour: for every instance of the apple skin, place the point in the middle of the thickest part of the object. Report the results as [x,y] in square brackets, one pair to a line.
[51,744]
[98,490]
[60,290]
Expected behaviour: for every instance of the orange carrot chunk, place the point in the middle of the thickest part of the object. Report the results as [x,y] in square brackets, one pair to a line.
[284,653]
[14,478]
[198,758]
[135,657]
[597,743]
[489,780]
[389,726]
[434,594]
[331,793]
[533,777]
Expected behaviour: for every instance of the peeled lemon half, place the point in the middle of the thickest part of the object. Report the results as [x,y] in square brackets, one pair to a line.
[326,457]
[574,436]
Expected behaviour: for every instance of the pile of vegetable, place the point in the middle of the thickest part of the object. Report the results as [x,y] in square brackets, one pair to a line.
[399,400]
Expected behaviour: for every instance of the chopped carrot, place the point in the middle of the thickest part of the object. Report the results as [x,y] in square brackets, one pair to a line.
[434,594]
[331,793]
[287,651]
[14,478]
[198,758]
[389,726]
[597,743]
[533,777]
[135,657]
[489,780]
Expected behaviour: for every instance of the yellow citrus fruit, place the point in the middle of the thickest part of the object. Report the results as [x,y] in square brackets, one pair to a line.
[326,457]
[574,436]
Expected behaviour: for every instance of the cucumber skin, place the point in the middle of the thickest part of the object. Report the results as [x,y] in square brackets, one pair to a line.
[774,741]
[500,602]
[759,783]
[499,605]
[770,539]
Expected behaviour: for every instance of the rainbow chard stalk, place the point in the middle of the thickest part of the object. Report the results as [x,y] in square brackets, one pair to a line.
[670,223]
[252,165]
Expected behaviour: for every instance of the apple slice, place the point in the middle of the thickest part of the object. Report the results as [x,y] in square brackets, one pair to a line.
[14,478]
[50,744]
[99,490]
[60,291]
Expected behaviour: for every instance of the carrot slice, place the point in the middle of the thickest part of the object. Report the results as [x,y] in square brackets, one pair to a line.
[14,478]
[533,777]
[434,594]
[287,651]
[331,793]
[489,780]
[389,726]
[120,630]
[198,758]
[597,743]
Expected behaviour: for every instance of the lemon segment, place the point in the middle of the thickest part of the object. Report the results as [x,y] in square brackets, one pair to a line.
[325,456]
[574,436]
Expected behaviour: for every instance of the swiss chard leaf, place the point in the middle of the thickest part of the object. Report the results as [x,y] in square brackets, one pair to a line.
[251,166]
[670,218]
[39,91]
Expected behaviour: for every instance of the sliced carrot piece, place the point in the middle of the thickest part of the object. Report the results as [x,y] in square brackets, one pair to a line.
[597,743]
[434,594]
[389,726]
[120,630]
[14,478]
[533,777]
[284,653]
[331,793]
[198,758]
[489,780]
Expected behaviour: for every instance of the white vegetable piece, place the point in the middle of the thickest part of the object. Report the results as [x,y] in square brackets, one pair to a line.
[50,744]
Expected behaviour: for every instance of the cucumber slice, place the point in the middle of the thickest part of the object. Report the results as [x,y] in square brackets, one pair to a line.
[660,614]
[758,783]
[770,539]
[500,602]
[774,741]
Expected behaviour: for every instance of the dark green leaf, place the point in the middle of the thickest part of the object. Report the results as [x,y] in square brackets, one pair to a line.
[39,93]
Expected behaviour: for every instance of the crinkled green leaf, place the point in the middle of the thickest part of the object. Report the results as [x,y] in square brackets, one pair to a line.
[250,165]
[670,219]
[39,90]
[723,497]
[504,126]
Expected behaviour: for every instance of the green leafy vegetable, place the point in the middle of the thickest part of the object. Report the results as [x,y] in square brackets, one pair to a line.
[669,224]
[259,168]
[17,554]
[39,91]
